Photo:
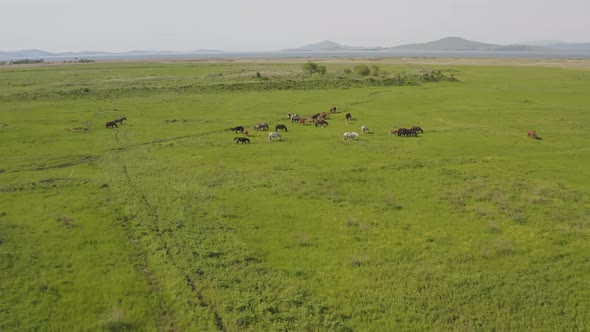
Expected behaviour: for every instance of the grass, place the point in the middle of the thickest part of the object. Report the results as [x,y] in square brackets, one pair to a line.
[166,224]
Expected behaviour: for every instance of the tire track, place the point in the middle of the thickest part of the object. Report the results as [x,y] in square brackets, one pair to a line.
[152,213]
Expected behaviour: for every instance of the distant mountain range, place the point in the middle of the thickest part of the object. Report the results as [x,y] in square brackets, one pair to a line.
[450,44]
[43,54]
[445,44]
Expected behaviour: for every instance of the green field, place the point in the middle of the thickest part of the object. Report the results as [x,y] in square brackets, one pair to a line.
[165,223]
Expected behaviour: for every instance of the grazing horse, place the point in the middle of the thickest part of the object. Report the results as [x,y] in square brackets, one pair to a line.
[323,115]
[532,134]
[365,129]
[417,129]
[302,121]
[333,109]
[393,132]
[348,117]
[274,134]
[120,120]
[237,129]
[352,135]
[407,132]
[261,126]
[321,122]
[280,126]
[112,124]
[242,140]
[245,132]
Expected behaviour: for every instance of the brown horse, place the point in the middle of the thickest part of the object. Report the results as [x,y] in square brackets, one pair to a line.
[393,132]
[417,129]
[321,122]
[280,126]
[323,115]
[245,132]
[532,134]
[112,124]
[333,109]
[120,120]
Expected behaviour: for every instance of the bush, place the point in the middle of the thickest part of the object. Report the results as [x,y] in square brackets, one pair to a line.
[311,68]
[362,70]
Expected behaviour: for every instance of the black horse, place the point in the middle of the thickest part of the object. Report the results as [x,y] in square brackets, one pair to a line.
[321,122]
[280,126]
[112,124]
[407,132]
[417,129]
[242,140]
[348,117]
[237,129]
[120,120]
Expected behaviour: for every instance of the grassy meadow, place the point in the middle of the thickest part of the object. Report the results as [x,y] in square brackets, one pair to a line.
[165,223]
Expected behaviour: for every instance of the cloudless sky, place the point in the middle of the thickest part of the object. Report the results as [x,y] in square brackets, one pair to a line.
[260,25]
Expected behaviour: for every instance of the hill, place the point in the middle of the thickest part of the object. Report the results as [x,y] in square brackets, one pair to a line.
[461,44]
[327,45]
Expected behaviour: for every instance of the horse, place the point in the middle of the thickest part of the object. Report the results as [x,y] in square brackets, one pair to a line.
[315,116]
[242,140]
[237,129]
[351,135]
[393,132]
[302,121]
[261,126]
[295,119]
[417,129]
[245,132]
[120,120]
[365,129]
[112,124]
[348,117]
[532,134]
[280,126]
[407,132]
[323,115]
[274,134]
[333,109]
[321,122]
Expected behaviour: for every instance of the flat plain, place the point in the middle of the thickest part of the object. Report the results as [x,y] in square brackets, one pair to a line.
[165,223]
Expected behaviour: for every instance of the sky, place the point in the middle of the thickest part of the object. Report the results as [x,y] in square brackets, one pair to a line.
[266,25]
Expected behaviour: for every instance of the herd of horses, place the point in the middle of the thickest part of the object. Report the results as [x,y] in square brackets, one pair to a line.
[318,119]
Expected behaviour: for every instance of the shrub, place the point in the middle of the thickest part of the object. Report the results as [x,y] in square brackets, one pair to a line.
[362,70]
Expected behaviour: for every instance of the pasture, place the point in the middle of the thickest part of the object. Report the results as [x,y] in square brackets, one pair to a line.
[167,223]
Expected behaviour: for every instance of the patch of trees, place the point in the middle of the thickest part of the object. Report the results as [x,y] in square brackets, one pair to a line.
[26,61]
[311,68]
[79,61]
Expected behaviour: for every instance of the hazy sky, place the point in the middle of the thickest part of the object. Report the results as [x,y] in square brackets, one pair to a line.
[184,25]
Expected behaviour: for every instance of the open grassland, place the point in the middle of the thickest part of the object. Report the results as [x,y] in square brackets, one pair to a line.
[166,224]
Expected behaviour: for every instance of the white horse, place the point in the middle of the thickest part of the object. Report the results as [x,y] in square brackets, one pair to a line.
[274,134]
[365,129]
[352,135]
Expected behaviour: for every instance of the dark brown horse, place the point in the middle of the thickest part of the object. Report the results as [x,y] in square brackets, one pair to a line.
[333,109]
[237,129]
[417,129]
[112,124]
[321,122]
[120,120]
[280,126]
[242,140]
[348,117]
